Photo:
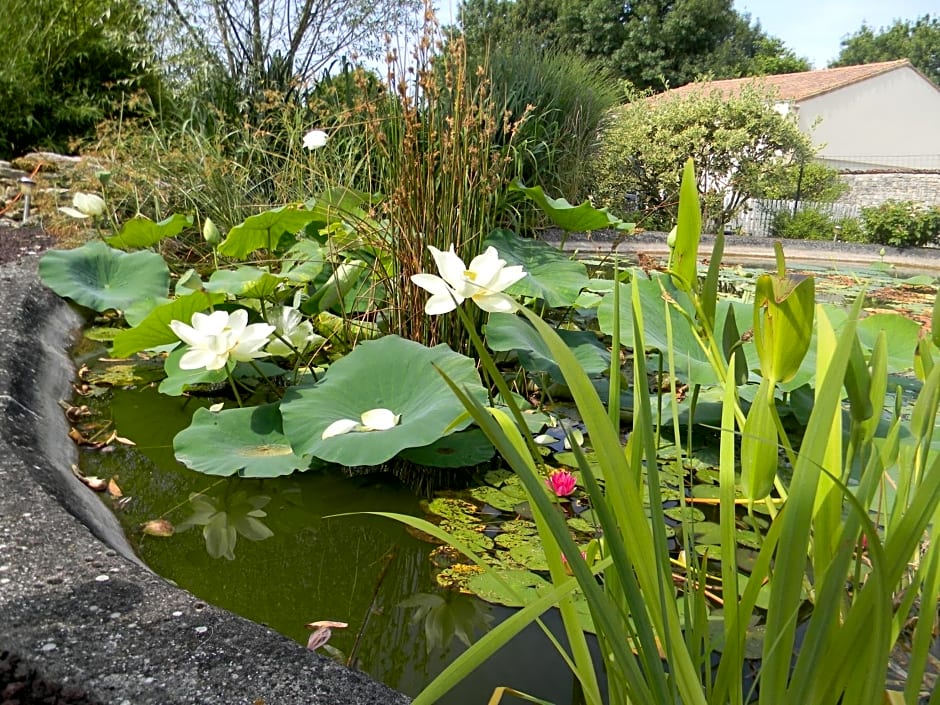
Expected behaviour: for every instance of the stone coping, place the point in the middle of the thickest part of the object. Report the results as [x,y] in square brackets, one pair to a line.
[82,620]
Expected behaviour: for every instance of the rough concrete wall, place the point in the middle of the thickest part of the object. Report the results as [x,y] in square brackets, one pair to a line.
[871,189]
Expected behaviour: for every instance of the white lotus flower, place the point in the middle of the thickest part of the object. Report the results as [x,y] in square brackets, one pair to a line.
[85,205]
[482,282]
[289,325]
[217,337]
[315,139]
[372,420]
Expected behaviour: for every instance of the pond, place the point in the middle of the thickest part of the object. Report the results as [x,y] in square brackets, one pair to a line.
[355,569]
[282,557]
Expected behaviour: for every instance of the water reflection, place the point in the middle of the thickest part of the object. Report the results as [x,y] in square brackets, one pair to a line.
[354,569]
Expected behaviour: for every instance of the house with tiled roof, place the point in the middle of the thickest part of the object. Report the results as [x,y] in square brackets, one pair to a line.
[875,117]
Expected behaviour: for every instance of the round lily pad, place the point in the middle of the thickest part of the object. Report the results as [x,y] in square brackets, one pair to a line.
[458,450]
[388,373]
[245,441]
[101,278]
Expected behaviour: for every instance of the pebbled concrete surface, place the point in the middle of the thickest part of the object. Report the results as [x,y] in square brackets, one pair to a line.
[82,621]
[743,250]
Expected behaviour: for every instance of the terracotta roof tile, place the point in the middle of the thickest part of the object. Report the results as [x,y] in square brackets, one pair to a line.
[792,86]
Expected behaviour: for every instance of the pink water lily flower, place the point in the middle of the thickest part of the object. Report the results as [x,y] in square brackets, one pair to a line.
[217,337]
[561,483]
[482,282]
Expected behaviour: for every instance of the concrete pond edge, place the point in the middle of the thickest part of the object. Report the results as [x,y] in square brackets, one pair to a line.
[82,620]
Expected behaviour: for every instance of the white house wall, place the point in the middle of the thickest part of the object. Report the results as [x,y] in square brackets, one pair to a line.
[890,120]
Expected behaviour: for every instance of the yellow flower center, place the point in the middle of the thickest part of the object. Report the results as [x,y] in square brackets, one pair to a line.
[468,274]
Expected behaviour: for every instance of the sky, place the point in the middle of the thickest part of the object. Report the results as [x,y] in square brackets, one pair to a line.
[814,29]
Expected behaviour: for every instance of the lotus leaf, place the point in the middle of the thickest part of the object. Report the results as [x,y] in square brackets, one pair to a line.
[303,262]
[155,330]
[390,373]
[246,441]
[458,450]
[101,278]
[179,380]
[140,231]
[901,334]
[265,230]
[505,332]
[581,218]
[691,362]
[247,282]
[552,275]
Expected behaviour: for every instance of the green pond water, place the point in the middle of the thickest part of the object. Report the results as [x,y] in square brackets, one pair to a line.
[353,569]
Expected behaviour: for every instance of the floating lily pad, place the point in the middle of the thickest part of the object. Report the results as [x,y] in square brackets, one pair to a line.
[123,374]
[530,554]
[453,509]
[471,536]
[388,373]
[245,441]
[102,278]
[458,450]
[685,514]
[494,498]
[101,334]
[526,585]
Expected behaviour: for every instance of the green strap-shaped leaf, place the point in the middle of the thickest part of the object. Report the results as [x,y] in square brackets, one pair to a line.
[140,231]
[759,459]
[688,232]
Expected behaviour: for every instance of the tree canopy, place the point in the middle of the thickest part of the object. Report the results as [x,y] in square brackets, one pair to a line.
[917,40]
[651,43]
[741,146]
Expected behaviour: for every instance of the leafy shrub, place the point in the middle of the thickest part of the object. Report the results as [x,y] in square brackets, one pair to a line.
[806,224]
[66,67]
[739,143]
[902,224]
[813,181]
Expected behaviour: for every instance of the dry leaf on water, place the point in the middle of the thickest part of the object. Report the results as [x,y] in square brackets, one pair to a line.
[158,527]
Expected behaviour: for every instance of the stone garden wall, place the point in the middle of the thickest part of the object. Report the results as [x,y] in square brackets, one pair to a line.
[874,188]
